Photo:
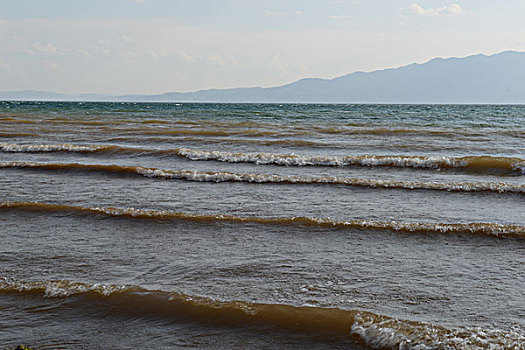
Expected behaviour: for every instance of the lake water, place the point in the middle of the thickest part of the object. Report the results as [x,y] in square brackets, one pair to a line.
[132,225]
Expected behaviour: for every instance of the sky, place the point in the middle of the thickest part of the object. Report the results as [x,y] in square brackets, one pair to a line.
[155,46]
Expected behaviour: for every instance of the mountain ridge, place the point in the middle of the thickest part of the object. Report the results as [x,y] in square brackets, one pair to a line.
[498,78]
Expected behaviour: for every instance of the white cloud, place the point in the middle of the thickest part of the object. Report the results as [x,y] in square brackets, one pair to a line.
[216,59]
[449,10]
[187,57]
[125,38]
[282,13]
[48,50]
[98,48]
[167,55]
[275,14]
[52,65]
[274,63]
[340,17]
[454,9]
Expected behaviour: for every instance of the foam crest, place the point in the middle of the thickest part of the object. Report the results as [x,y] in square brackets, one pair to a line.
[503,165]
[430,162]
[64,147]
[376,331]
[491,229]
[60,288]
[221,176]
[379,332]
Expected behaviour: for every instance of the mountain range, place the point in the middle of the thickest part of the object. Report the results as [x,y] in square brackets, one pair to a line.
[498,78]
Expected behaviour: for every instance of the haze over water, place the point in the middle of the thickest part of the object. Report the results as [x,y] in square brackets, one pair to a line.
[262,225]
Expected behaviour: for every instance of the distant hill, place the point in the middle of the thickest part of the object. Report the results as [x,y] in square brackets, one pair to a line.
[499,78]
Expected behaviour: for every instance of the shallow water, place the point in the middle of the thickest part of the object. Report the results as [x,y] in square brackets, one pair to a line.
[262,226]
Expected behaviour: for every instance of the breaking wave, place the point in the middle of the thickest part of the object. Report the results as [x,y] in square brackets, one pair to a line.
[373,330]
[222,176]
[490,229]
[469,163]
[63,147]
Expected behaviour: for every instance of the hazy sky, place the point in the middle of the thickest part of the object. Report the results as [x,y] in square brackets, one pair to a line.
[153,46]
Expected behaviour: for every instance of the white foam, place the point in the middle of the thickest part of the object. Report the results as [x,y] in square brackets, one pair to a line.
[11,147]
[264,178]
[61,288]
[520,166]
[386,333]
[298,160]
[428,162]
[222,176]
[376,331]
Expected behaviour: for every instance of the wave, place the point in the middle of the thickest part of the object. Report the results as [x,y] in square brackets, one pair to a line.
[176,132]
[262,128]
[490,229]
[386,131]
[235,141]
[374,330]
[64,147]
[15,120]
[303,143]
[222,176]
[424,131]
[16,134]
[133,122]
[505,165]
[151,127]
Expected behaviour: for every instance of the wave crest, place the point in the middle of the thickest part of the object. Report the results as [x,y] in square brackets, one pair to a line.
[491,229]
[223,176]
[376,331]
[505,165]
